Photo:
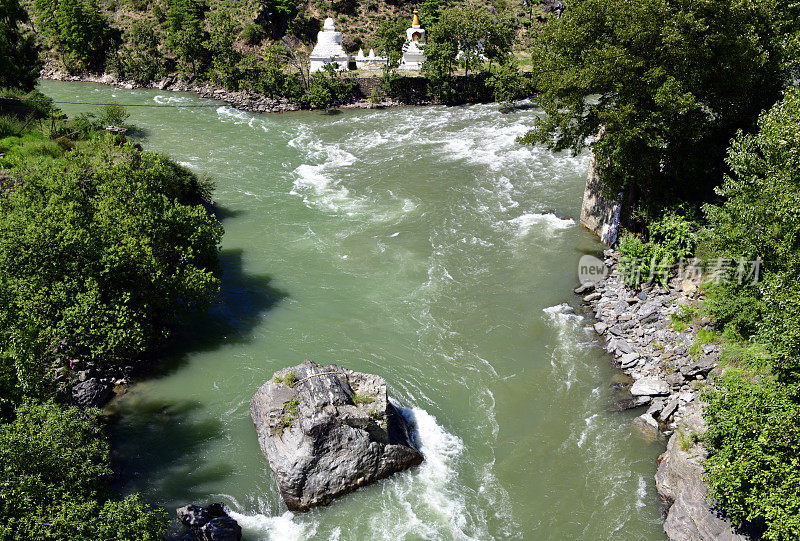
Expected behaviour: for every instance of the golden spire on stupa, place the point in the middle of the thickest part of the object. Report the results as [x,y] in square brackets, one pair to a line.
[416,22]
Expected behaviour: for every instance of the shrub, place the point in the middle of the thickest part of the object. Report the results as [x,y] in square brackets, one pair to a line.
[753,471]
[759,219]
[55,463]
[101,253]
[670,238]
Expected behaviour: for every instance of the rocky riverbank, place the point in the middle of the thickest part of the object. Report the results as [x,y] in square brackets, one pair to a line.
[245,100]
[668,369]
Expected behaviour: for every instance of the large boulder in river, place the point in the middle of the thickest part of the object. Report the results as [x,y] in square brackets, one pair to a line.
[327,430]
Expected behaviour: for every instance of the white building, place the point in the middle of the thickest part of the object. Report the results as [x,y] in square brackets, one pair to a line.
[413,55]
[328,49]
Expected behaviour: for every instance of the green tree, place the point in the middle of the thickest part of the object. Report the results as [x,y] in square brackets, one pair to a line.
[388,41]
[19,54]
[55,463]
[759,218]
[466,36]
[139,58]
[669,80]
[102,252]
[186,35]
[225,58]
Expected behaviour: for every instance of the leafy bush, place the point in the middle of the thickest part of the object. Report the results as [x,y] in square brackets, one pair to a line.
[101,253]
[753,437]
[110,114]
[760,219]
[670,238]
[55,464]
[328,87]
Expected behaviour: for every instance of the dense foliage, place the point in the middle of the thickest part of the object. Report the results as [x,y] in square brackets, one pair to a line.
[753,469]
[138,59]
[55,464]
[75,30]
[760,218]
[753,436]
[669,80]
[469,37]
[650,256]
[19,56]
[103,250]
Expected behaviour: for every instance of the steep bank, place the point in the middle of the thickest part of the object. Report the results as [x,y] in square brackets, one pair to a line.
[669,369]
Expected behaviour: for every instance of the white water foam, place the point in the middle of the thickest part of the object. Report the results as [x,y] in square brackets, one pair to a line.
[548,223]
[431,503]
[171,99]
[425,502]
[278,528]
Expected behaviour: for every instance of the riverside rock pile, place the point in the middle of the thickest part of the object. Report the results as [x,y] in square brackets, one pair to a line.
[244,100]
[327,430]
[668,371]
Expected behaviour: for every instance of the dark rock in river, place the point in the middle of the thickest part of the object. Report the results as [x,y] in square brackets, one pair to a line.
[327,430]
[91,393]
[210,523]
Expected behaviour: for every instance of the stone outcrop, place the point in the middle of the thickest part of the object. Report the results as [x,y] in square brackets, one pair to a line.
[327,430]
[211,523]
[679,480]
[599,214]
[668,368]
[91,393]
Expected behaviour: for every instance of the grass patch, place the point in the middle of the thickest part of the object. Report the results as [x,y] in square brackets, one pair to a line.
[704,336]
[686,441]
[289,415]
[748,356]
[289,379]
[359,399]
[684,316]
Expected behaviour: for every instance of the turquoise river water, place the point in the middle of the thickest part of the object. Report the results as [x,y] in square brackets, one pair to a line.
[421,244]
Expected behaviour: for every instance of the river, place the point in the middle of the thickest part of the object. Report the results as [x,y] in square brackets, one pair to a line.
[421,244]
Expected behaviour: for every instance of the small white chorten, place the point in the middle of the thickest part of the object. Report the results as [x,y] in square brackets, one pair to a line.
[328,49]
[413,55]
[371,62]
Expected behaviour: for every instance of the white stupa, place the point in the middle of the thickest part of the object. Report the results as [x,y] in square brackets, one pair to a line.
[328,49]
[371,62]
[413,55]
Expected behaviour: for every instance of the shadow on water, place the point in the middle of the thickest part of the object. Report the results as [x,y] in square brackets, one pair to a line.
[165,458]
[239,308]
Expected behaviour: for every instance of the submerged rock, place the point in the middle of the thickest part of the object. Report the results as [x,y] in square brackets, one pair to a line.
[327,430]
